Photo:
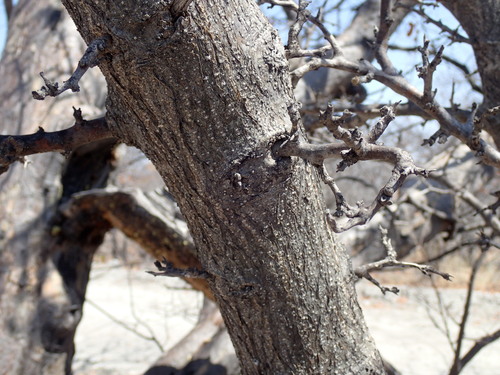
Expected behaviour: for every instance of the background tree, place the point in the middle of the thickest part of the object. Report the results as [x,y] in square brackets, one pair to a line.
[209,100]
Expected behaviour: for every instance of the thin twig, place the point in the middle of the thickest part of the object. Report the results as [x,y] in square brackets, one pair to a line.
[391,261]
[382,34]
[453,35]
[457,363]
[124,325]
[90,59]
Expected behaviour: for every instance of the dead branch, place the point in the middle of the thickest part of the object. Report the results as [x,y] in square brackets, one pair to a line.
[426,71]
[90,58]
[457,363]
[449,124]
[453,35]
[391,261]
[366,72]
[354,147]
[169,270]
[480,344]
[382,34]
[294,49]
[15,147]
[365,112]
[144,218]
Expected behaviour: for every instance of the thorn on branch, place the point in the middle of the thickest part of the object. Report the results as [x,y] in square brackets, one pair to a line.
[89,59]
[168,269]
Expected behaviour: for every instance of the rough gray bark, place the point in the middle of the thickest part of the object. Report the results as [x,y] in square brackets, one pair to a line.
[479,18]
[205,96]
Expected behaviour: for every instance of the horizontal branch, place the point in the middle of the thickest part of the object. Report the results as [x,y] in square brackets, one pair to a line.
[449,124]
[15,147]
[168,269]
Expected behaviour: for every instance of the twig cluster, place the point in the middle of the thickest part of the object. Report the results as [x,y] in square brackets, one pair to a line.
[391,261]
[354,147]
[467,132]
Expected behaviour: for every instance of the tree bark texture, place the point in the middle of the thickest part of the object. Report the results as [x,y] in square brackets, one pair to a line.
[205,95]
[479,18]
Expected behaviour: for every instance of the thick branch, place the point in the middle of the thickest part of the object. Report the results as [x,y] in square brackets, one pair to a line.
[15,147]
[141,218]
[90,59]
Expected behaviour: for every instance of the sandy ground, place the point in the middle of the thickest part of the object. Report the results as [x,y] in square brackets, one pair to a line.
[131,317]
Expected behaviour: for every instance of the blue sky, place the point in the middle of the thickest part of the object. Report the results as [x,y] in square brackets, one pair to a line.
[402,60]
[3,26]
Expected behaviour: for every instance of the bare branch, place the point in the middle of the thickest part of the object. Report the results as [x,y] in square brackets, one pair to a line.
[382,34]
[391,261]
[148,219]
[454,35]
[169,270]
[293,49]
[426,71]
[388,115]
[90,59]
[480,344]
[457,363]
[15,147]
[355,148]
[449,125]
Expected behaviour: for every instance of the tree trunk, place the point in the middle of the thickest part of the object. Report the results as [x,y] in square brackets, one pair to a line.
[205,94]
[479,18]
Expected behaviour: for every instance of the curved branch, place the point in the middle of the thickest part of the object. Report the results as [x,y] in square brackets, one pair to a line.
[89,59]
[141,218]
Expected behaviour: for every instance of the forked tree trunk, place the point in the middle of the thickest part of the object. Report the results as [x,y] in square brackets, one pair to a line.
[205,94]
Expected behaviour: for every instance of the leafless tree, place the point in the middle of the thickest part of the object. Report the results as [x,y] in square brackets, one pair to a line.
[206,91]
